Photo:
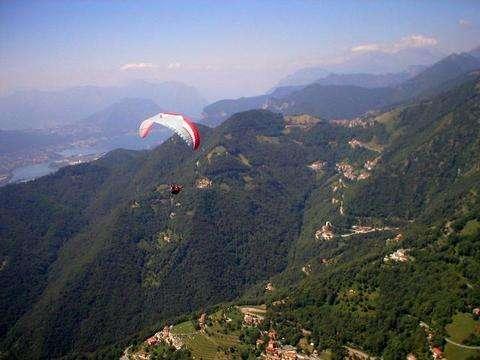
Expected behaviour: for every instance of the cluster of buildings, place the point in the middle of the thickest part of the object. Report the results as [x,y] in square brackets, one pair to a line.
[351,123]
[354,143]
[325,232]
[165,236]
[394,240]
[348,172]
[203,183]
[476,312]
[167,337]
[274,351]
[317,165]
[436,352]
[269,287]
[399,256]
[307,269]
[303,121]
[370,164]
[202,321]
[252,319]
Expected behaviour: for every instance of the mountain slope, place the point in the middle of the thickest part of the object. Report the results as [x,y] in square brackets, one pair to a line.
[122,116]
[104,246]
[414,206]
[115,245]
[324,99]
[446,69]
[372,62]
[365,80]
[333,101]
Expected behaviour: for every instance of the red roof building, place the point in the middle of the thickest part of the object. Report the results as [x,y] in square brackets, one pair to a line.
[437,353]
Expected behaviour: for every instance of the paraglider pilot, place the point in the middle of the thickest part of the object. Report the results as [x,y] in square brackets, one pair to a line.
[175,188]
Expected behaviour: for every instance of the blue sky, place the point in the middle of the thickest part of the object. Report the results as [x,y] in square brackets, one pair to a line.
[218,46]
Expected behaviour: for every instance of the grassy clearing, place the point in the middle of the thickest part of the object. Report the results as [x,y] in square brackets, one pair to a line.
[461,327]
[374,146]
[471,228]
[453,352]
[326,355]
[184,328]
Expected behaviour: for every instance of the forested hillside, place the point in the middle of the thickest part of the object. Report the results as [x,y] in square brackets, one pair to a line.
[364,227]
[112,250]
[403,247]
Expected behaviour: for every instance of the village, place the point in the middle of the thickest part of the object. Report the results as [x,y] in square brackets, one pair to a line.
[205,341]
[326,232]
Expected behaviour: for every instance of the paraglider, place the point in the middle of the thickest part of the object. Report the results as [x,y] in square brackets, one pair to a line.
[180,124]
[175,188]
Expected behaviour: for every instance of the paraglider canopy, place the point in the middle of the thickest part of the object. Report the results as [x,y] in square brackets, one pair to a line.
[180,124]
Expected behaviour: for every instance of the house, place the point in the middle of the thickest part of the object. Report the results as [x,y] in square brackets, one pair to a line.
[288,353]
[363,175]
[354,143]
[203,183]
[165,334]
[202,321]
[271,350]
[317,165]
[252,320]
[151,341]
[325,232]
[399,256]
[437,353]
[307,269]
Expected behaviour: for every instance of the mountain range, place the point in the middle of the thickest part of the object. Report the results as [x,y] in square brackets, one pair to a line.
[343,96]
[371,62]
[362,228]
[37,109]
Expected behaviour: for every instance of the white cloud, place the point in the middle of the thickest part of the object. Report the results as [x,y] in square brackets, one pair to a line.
[411,41]
[366,48]
[416,41]
[464,23]
[137,66]
[174,66]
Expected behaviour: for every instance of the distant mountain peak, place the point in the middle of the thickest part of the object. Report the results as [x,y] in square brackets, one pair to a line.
[43,109]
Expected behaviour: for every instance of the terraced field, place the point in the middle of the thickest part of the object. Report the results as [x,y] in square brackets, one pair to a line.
[212,343]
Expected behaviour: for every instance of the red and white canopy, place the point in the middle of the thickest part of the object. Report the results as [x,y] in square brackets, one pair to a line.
[180,124]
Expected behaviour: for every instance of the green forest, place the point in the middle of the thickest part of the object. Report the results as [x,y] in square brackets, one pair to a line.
[99,256]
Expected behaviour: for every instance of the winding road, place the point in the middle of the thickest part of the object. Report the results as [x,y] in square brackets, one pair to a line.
[462,346]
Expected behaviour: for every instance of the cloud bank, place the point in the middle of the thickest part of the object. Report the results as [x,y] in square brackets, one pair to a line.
[137,66]
[411,41]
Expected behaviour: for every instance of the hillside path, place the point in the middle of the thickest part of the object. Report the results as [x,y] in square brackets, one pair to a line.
[461,345]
